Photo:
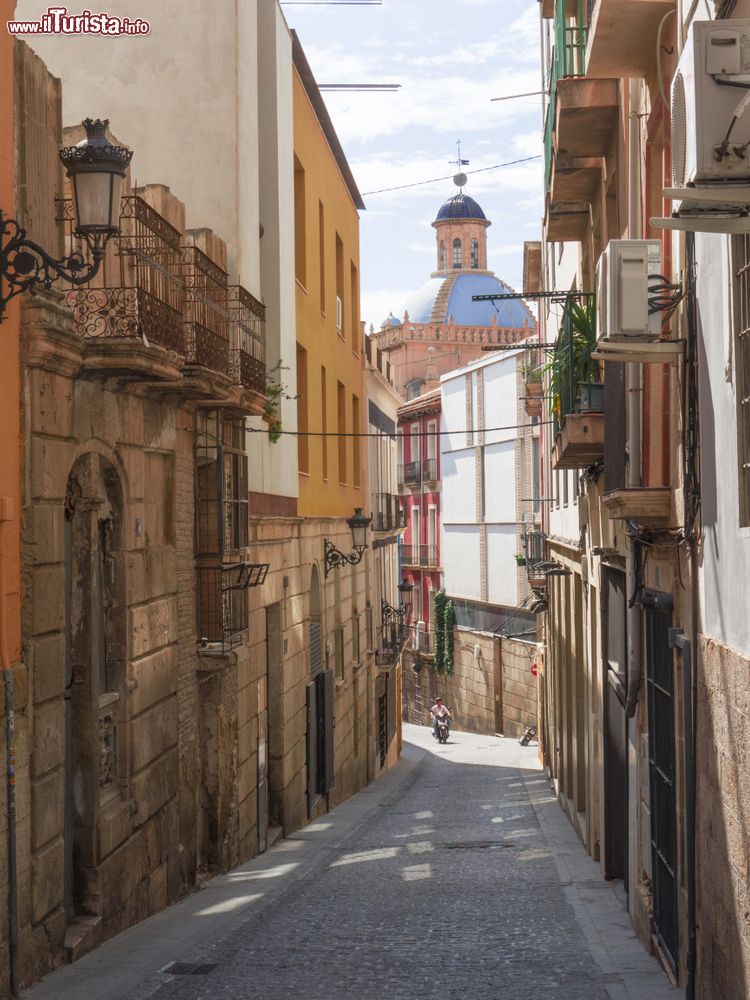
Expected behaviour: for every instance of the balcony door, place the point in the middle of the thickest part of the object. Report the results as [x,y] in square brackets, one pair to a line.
[414,443]
[432,536]
[416,537]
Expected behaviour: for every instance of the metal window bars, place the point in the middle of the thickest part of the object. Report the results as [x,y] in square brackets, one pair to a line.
[223,608]
[419,555]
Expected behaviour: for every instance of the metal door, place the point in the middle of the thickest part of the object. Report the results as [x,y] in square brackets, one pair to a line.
[614,622]
[661,748]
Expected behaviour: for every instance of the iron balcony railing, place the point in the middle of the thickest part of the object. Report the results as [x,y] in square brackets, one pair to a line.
[205,311]
[412,473]
[419,555]
[429,471]
[138,293]
[247,319]
[388,514]
[535,549]
[568,60]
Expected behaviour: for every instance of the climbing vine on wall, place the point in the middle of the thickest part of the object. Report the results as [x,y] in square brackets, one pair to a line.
[444,619]
[275,392]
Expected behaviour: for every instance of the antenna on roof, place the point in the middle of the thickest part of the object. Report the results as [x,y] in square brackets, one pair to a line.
[460,179]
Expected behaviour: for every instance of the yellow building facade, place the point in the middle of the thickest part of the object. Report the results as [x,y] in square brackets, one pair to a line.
[330,381]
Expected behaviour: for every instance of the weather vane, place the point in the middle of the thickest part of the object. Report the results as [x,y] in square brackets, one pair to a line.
[460,179]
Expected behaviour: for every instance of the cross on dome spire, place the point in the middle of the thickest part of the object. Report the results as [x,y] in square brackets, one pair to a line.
[460,178]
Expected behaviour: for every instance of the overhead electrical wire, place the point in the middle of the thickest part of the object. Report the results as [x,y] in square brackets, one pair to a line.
[381,434]
[449,177]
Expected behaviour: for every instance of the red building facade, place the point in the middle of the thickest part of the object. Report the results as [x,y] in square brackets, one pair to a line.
[419,487]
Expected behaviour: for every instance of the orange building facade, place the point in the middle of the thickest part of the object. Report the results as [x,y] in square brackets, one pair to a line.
[330,381]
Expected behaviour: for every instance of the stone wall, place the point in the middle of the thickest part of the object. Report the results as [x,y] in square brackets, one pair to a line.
[519,693]
[723,820]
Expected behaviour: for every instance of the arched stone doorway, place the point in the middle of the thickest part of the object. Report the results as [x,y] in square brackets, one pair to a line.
[95,668]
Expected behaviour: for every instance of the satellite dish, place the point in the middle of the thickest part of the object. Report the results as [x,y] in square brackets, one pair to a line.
[460,179]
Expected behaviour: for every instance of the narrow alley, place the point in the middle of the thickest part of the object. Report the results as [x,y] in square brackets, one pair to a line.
[456,875]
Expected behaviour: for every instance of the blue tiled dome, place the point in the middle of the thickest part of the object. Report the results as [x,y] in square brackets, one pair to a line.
[423,306]
[460,206]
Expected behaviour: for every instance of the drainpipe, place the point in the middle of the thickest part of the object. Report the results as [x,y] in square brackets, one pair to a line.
[5,515]
[634,397]
[678,640]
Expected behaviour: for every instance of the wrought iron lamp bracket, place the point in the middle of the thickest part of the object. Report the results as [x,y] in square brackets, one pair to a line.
[24,264]
[334,558]
[392,616]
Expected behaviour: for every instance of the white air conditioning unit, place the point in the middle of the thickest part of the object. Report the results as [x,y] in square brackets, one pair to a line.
[339,314]
[708,145]
[626,272]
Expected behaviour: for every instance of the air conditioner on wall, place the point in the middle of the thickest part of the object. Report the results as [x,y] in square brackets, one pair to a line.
[710,123]
[626,271]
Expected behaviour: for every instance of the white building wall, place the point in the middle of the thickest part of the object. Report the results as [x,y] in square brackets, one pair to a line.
[726,549]
[185,99]
[205,102]
[487,456]
[502,587]
[460,555]
[274,466]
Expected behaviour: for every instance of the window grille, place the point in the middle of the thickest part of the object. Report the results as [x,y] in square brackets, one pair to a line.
[369,626]
[338,651]
[356,646]
[222,529]
[742,371]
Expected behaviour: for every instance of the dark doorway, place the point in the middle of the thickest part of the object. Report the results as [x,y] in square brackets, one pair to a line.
[661,752]
[615,687]
[275,734]
[320,763]
[94,670]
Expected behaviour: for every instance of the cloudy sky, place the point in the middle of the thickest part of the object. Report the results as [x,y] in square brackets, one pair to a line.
[450,57]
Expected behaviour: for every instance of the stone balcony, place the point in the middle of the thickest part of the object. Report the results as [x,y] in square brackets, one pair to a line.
[579,442]
[620,34]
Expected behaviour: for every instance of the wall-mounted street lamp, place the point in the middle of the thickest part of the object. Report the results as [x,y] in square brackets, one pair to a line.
[401,614]
[96,170]
[359,523]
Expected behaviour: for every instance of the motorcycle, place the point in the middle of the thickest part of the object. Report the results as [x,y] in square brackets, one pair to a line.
[441,730]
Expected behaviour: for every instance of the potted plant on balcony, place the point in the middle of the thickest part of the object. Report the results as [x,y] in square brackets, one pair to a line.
[534,390]
[520,559]
[573,371]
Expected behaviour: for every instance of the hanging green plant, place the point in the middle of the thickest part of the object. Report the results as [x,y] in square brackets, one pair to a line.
[439,601]
[444,621]
[449,624]
[275,392]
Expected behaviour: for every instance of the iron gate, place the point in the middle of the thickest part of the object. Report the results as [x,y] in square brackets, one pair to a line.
[661,745]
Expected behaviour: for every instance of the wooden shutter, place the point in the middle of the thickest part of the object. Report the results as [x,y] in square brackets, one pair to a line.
[614,426]
[328,770]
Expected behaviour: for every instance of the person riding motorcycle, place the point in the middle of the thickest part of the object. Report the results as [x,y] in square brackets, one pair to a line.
[437,711]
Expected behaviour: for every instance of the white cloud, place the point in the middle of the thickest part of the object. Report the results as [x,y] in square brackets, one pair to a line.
[378,303]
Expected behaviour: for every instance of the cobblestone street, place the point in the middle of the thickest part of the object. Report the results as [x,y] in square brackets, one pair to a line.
[454,876]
